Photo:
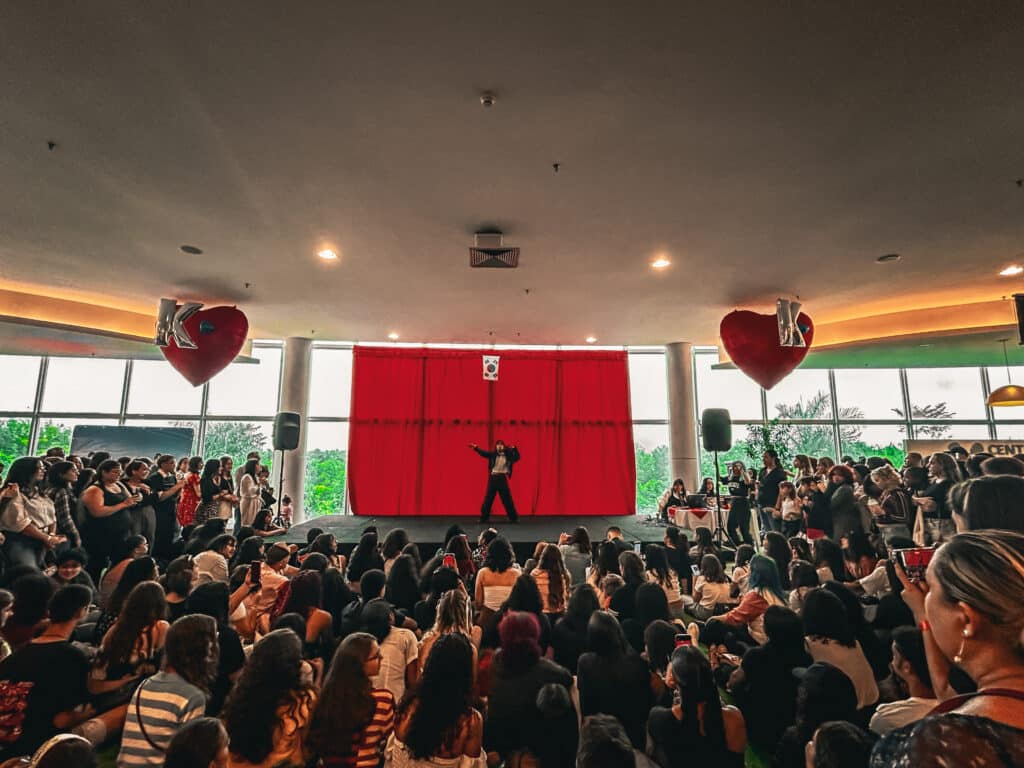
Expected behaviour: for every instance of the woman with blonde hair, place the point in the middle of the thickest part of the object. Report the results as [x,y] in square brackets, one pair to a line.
[454,616]
[896,506]
[970,607]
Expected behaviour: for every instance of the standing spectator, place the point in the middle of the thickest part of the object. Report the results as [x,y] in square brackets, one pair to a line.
[249,502]
[228,502]
[28,518]
[934,523]
[212,492]
[168,488]
[352,720]
[896,505]
[269,710]
[789,509]
[814,505]
[142,514]
[173,696]
[399,667]
[106,504]
[191,492]
[768,480]
[60,485]
[842,502]
[739,482]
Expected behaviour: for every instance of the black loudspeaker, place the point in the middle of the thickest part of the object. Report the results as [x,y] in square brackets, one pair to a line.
[717,429]
[286,431]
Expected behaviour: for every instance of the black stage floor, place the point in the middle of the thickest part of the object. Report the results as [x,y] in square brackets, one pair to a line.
[428,531]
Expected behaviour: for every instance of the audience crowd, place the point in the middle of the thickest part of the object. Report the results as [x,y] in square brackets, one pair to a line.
[862,615]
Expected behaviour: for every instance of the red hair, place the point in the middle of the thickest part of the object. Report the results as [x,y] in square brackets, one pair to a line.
[520,639]
[845,471]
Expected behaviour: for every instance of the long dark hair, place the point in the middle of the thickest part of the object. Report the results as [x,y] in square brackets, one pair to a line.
[270,679]
[583,602]
[777,548]
[346,702]
[499,555]
[558,578]
[138,571]
[191,649]
[657,563]
[827,553]
[210,470]
[607,560]
[55,478]
[696,685]
[394,543]
[525,596]
[605,637]
[305,593]
[145,605]
[443,697]
[250,468]
[23,472]
[825,617]
[364,557]
[403,588]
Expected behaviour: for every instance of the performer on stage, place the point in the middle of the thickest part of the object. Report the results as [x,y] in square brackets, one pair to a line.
[499,462]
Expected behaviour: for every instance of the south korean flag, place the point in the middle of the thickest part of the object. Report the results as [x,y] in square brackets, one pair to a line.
[490,367]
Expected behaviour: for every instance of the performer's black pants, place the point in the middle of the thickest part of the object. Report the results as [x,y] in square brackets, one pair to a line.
[497,485]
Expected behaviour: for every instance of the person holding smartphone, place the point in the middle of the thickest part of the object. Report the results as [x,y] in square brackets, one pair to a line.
[28,518]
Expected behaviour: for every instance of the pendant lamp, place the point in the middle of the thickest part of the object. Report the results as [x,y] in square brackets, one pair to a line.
[1008,395]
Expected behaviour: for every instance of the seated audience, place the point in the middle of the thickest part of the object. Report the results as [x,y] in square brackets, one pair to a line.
[711,588]
[399,666]
[454,616]
[631,567]
[495,580]
[830,638]
[838,744]
[743,626]
[569,635]
[71,570]
[824,694]
[552,581]
[910,669]
[658,572]
[200,743]
[576,552]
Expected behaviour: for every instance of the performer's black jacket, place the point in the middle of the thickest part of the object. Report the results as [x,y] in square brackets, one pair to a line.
[511,457]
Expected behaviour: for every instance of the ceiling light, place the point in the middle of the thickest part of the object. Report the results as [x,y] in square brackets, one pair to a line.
[1011,271]
[1008,395]
[660,262]
[327,254]
[888,258]
[393,336]
[591,339]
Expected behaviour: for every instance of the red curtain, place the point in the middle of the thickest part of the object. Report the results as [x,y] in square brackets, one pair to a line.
[414,412]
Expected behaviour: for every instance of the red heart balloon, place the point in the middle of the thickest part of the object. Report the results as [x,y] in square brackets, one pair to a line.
[752,341]
[219,334]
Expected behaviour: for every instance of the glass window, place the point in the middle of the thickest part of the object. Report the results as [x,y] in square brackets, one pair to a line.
[865,440]
[814,440]
[648,388]
[157,388]
[863,393]
[83,385]
[746,447]
[650,442]
[330,385]
[14,434]
[58,432]
[1010,431]
[20,376]
[971,432]
[246,389]
[945,393]
[238,438]
[997,378]
[730,389]
[801,395]
[326,463]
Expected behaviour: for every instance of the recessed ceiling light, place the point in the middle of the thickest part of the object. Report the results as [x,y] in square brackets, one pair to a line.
[886,258]
[660,262]
[393,336]
[191,249]
[591,339]
[327,254]
[1012,270]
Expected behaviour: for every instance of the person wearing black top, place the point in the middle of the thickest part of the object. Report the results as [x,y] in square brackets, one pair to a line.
[165,484]
[500,463]
[768,490]
[933,501]
[677,552]
[738,524]
[815,507]
[569,635]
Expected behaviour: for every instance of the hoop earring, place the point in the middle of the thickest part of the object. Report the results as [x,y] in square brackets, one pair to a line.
[959,657]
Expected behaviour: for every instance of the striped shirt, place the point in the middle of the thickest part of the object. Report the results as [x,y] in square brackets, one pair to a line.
[368,744]
[164,701]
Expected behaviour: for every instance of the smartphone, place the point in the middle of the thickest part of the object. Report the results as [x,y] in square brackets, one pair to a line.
[255,569]
[449,562]
[637,547]
[695,569]
[683,639]
[914,561]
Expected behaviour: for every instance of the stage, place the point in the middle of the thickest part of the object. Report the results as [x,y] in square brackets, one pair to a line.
[524,535]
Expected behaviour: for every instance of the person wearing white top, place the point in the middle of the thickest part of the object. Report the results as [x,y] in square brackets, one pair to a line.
[27,516]
[249,501]
[830,638]
[399,650]
[910,668]
[711,588]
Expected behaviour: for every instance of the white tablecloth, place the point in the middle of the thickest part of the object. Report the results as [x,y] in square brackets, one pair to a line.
[691,519]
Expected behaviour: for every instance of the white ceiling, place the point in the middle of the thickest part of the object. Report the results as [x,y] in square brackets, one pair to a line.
[769,151]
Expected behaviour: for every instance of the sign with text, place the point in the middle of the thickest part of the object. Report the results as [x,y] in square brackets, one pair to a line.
[979,445]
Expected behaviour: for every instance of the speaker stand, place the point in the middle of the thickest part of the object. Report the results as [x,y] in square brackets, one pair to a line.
[719,536]
[280,488]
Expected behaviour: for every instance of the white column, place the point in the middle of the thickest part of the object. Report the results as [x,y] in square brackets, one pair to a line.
[682,418]
[295,397]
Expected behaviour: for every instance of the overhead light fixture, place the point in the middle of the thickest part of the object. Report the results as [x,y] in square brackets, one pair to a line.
[1011,271]
[327,254]
[888,258]
[661,262]
[591,339]
[393,336]
[1009,395]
